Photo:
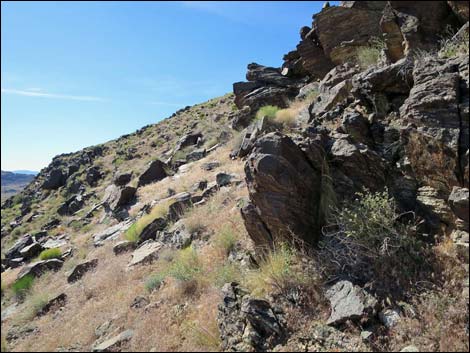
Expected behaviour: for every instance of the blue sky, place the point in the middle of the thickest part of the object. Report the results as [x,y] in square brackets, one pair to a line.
[75,74]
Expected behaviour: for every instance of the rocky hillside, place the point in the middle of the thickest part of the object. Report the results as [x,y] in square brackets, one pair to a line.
[322,206]
[12,183]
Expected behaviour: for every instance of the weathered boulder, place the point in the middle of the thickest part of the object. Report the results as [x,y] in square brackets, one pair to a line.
[55,302]
[224,179]
[196,155]
[437,135]
[123,246]
[187,140]
[54,179]
[458,201]
[285,189]
[21,243]
[81,269]
[71,205]
[93,174]
[349,302]
[117,197]
[150,231]
[54,243]
[111,232]
[146,253]
[36,269]
[121,179]
[156,171]
[30,251]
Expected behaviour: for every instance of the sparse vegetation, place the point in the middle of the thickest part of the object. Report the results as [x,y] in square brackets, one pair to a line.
[22,286]
[154,281]
[53,253]
[268,111]
[369,55]
[158,211]
[226,239]
[452,45]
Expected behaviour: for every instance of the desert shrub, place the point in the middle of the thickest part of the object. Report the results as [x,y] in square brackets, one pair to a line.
[452,45]
[369,55]
[287,117]
[226,239]
[53,253]
[279,270]
[22,286]
[194,225]
[268,111]
[158,211]
[154,281]
[367,240]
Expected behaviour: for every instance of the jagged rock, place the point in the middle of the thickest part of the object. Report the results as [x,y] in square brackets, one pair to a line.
[123,246]
[72,205]
[247,324]
[200,185]
[145,253]
[111,232]
[121,179]
[54,179]
[349,302]
[21,243]
[187,140]
[224,179]
[156,171]
[113,343]
[250,135]
[285,188]
[242,117]
[36,269]
[210,190]
[92,175]
[355,166]
[338,38]
[177,235]
[436,137]
[150,231]
[51,224]
[30,251]
[433,206]
[267,75]
[81,269]
[458,201]
[180,202]
[116,196]
[196,155]
[57,301]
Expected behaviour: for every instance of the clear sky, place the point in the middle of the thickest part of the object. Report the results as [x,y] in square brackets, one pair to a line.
[75,74]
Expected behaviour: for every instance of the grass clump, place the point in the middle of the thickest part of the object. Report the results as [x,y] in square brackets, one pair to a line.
[226,273]
[154,282]
[226,239]
[48,254]
[369,55]
[158,211]
[22,286]
[278,270]
[37,303]
[452,45]
[268,111]
[186,265]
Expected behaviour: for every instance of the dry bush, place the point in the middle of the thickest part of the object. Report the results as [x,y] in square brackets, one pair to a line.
[369,55]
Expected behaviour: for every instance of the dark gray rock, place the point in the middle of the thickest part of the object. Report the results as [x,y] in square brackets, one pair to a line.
[156,171]
[36,269]
[54,179]
[81,269]
[121,179]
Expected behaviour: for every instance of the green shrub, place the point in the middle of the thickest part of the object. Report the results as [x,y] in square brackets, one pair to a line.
[369,55]
[154,281]
[186,265]
[268,111]
[53,253]
[226,239]
[22,286]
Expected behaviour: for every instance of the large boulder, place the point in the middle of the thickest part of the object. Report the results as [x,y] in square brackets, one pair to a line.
[36,269]
[187,140]
[92,175]
[121,179]
[285,188]
[146,253]
[117,197]
[156,171]
[55,179]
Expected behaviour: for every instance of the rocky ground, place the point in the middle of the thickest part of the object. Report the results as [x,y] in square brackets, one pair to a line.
[322,206]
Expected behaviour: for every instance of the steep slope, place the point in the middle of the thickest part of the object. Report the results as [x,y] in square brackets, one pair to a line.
[322,206]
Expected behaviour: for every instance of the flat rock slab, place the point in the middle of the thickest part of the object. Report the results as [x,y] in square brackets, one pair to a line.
[147,252]
[36,269]
[81,269]
[349,302]
[111,232]
[113,343]
[54,243]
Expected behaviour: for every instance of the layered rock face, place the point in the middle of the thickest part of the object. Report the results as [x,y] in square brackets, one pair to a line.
[402,27]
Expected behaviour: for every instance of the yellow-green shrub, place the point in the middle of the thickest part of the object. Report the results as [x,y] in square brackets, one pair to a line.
[53,253]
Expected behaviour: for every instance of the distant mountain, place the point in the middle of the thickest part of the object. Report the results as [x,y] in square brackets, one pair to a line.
[21,171]
[13,182]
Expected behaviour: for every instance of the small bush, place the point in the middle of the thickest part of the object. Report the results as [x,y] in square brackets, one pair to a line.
[202,336]
[22,286]
[286,117]
[226,239]
[154,281]
[277,270]
[369,55]
[268,111]
[53,253]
